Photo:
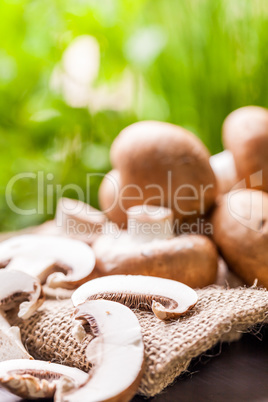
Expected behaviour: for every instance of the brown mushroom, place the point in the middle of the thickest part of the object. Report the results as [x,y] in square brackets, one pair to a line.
[116,352]
[167,299]
[240,225]
[57,261]
[245,134]
[35,379]
[163,164]
[109,200]
[190,259]
[148,248]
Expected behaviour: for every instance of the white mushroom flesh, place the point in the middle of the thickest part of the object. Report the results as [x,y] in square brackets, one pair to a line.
[78,218]
[167,298]
[20,289]
[11,346]
[223,166]
[116,352]
[37,379]
[148,222]
[58,261]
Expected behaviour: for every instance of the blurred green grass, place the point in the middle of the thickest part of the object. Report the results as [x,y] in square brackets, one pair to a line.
[192,62]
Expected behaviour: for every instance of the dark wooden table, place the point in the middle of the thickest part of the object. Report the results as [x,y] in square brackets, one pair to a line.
[236,372]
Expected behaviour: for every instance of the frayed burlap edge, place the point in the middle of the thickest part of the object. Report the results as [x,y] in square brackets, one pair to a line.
[220,315]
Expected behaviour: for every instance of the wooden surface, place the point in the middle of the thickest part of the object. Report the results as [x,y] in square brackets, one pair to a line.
[236,372]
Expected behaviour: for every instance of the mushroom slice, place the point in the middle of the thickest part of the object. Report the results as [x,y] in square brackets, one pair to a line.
[167,298]
[11,346]
[20,289]
[58,261]
[38,379]
[116,352]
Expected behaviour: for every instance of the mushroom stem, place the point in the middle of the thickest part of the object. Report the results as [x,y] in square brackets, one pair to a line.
[79,219]
[166,298]
[147,222]
[223,166]
[117,353]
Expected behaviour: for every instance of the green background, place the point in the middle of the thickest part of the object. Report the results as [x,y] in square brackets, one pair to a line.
[192,63]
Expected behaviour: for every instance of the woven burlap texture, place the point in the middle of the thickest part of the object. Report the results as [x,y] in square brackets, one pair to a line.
[220,314]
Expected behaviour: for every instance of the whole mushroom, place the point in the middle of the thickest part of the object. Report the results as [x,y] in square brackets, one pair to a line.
[149,247]
[109,199]
[245,134]
[163,164]
[240,225]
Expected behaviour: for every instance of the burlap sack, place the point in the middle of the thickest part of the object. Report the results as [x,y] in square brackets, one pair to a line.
[220,314]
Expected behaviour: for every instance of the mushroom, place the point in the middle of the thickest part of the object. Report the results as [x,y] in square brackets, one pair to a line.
[19,288]
[11,346]
[116,352]
[240,225]
[162,164]
[109,201]
[225,171]
[166,298]
[245,134]
[58,261]
[38,379]
[147,222]
[79,220]
[149,248]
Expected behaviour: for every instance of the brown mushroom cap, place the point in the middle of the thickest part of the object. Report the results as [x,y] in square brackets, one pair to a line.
[164,164]
[245,134]
[190,259]
[109,198]
[241,233]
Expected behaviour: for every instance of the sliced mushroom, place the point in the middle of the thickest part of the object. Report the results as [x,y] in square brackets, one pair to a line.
[58,261]
[38,379]
[11,346]
[168,299]
[116,352]
[20,289]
